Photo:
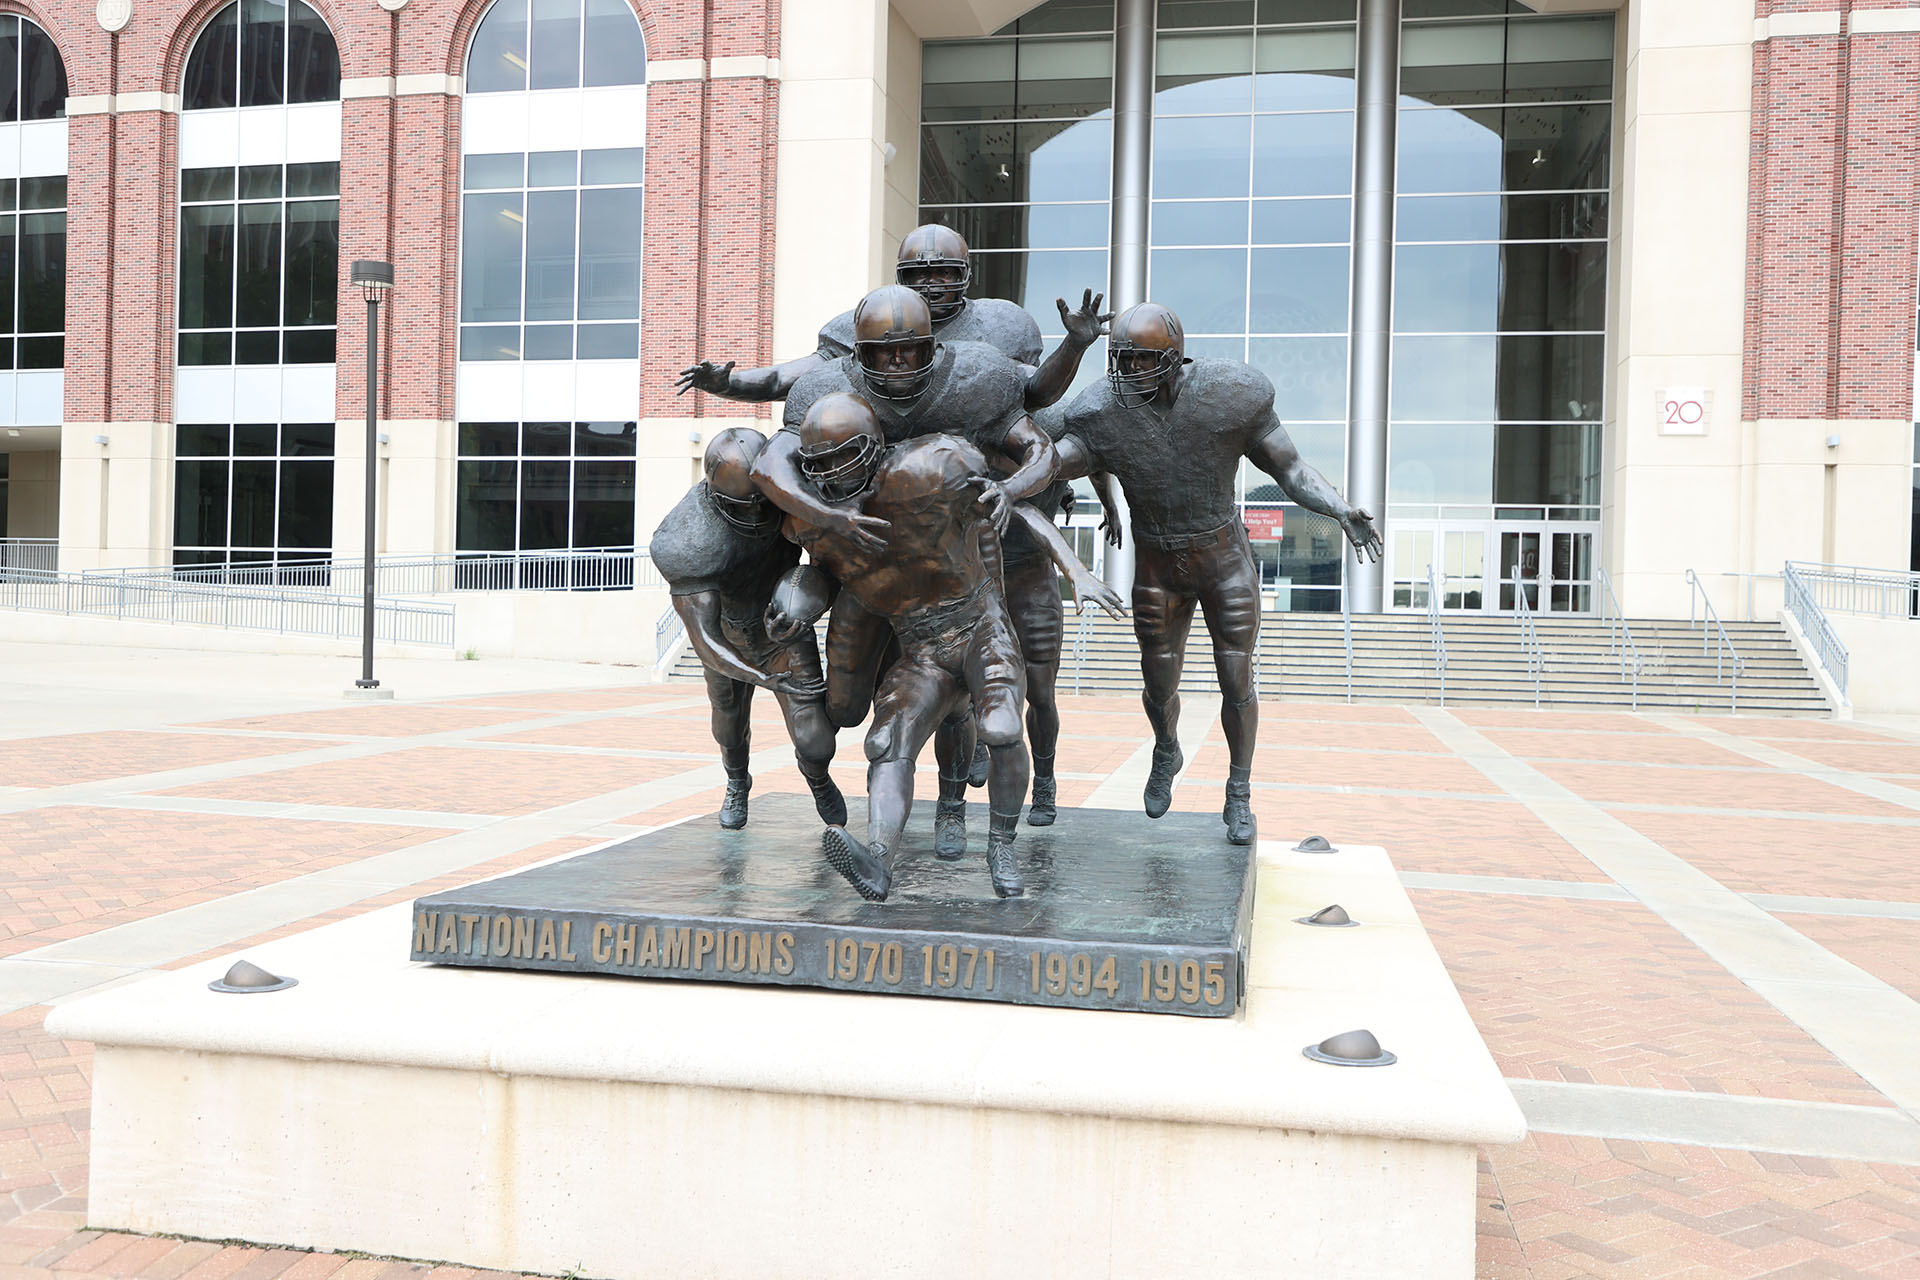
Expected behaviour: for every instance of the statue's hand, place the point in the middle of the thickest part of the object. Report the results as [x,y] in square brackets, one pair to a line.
[797,686]
[1110,522]
[1087,324]
[714,379]
[1360,531]
[1086,587]
[869,533]
[993,496]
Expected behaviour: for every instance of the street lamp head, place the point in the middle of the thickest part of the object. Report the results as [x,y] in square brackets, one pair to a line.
[372,278]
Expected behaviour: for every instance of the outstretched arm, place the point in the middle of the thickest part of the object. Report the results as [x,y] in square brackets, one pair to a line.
[1274,454]
[701,613]
[1079,577]
[777,472]
[1034,459]
[1050,381]
[752,385]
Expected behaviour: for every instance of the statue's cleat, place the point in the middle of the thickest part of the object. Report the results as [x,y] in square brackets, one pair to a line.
[733,809]
[1237,813]
[950,830]
[982,761]
[1041,812]
[1003,867]
[827,800]
[1167,761]
[864,868]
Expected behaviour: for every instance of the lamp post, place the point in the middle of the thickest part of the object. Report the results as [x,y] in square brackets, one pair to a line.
[374,279]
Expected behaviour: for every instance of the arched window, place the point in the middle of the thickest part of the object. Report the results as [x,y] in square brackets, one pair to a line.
[33,223]
[554,157]
[259,286]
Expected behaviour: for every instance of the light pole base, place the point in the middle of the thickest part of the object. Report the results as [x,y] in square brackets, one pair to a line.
[361,693]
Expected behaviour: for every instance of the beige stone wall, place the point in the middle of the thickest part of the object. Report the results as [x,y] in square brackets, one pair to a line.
[33,495]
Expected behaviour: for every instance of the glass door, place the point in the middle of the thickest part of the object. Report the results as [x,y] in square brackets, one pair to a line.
[1458,553]
[1551,562]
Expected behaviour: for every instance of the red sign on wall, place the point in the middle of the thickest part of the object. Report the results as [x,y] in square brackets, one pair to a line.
[1264,523]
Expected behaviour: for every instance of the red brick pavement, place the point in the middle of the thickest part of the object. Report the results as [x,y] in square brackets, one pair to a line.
[1774,728]
[91,757]
[1756,788]
[1887,949]
[74,869]
[1481,838]
[1558,721]
[1860,757]
[1555,1206]
[1830,858]
[445,779]
[1613,995]
[393,720]
[1634,748]
[586,699]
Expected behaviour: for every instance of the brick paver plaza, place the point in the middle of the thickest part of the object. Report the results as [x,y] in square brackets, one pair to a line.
[1691,942]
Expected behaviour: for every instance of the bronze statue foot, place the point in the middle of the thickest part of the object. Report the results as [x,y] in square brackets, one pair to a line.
[864,868]
[733,809]
[982,760]
[1237,813]
[950,830]
[1002,866]
[827,800]
[1041,812]
[1167,760]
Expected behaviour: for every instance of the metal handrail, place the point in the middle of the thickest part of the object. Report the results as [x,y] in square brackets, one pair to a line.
[277,609]
[1081,636]
[1439,635]
[1804,605]
[1616,621]
[1725,650]
[576,569]
[1529,634]
[1346,626]
[666,633]
[1882,593]
[36,555]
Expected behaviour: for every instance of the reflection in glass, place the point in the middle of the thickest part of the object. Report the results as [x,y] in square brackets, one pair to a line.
[616,51]
[967,80]
[257,266]
[1309,377]
[1302,221]
[1434,463]
[1547,466]
[1444,379]
[603,504]
[206,266]
[550,259]
[306,504]
[1203,73]
[1034,280]
[1195,222]
[263,53]
[1304,70]
[554,61]
[1066,79]
[610,253]
[1201,157]
[200,502]
[497,62]
[1299,291]
[313,60]
[486,495]
[313,262]
[491,227]
[1452,288]
[211,80]
[43,77]
[1303,155]
[544,495]
[43,273]
[1206,288]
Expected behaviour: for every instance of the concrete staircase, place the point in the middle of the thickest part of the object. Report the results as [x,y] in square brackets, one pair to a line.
[1303,656]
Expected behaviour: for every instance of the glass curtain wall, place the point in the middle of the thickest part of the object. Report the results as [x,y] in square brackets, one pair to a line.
[1253,137]
[542,486]
[1500,272]
[259,263]
[1016,154]
[33,210]
[258,496]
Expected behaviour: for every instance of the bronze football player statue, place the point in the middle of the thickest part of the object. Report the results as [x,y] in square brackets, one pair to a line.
[1173,431]
[934,262]
[935,586]
[721,551]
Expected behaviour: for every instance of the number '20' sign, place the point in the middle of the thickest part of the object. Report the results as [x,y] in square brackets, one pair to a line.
[1685,411]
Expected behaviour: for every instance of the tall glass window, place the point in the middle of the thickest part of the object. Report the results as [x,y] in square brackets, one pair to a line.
[261,53]
[544,486]
[1016,154]
[252,495]
[551,255]
[259,263]
[33,216]
[1500,300]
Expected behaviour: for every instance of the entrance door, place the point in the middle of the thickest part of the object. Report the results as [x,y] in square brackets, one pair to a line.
[1457,550]
[1552,562]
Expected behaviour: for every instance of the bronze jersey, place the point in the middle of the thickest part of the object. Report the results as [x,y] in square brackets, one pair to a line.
[1018,545]
[1178,465]
[974,393]
[696,550]
[1001,325]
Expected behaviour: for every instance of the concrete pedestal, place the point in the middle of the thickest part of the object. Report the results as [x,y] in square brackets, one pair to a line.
[627,1128]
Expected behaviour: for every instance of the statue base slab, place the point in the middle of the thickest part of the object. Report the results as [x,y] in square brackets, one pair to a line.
[1119,913]
[640,1129]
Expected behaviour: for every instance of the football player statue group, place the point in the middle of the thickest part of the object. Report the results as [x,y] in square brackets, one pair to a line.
[922,461]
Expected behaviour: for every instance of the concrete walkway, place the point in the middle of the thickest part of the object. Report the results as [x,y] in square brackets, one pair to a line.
[1692,943]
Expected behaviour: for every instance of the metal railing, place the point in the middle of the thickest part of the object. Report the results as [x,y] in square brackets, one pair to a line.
[1619,634]
[1709,625]
[585,569]
[34,555]
[667,631]
[1439,635]
[1529,635]
[286,611]
[1083,633]
[1839,588]
[1804,605]
[1346,629]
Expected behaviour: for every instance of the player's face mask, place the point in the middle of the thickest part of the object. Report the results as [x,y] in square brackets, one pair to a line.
[1137,373]
[843,471]
[896,368]
[748,515]
[942,282]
